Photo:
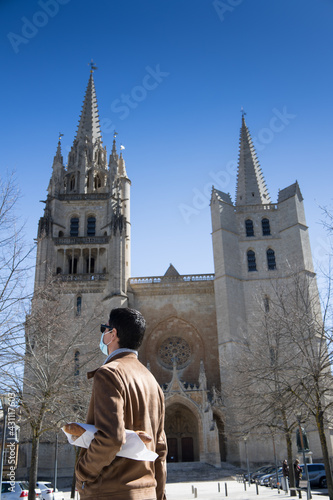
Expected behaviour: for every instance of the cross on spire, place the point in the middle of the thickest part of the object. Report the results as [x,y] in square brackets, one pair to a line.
[92,66]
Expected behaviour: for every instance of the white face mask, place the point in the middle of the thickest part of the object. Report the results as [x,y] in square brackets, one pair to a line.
[104,347]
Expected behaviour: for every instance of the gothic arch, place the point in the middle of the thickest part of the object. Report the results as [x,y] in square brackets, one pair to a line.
[183,430]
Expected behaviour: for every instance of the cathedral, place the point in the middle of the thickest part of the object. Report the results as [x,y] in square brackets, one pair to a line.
[84,237]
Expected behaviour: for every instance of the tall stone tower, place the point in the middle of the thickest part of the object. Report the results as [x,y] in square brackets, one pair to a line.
[84,235]
[255,243]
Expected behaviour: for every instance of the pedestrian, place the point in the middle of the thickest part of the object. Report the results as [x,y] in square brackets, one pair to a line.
[298,472]
[125,395]
[285,472]
[285,468]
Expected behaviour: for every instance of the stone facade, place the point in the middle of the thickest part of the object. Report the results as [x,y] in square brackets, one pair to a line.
[193,321]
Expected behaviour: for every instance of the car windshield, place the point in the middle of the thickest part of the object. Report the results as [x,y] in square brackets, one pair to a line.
[5,487]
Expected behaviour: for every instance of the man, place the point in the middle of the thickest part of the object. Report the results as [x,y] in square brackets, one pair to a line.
[298,474]
[125,395]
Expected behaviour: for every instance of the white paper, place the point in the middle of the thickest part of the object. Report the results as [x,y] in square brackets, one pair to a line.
[133,447]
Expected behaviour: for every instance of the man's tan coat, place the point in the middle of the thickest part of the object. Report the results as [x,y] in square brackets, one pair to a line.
[125,396]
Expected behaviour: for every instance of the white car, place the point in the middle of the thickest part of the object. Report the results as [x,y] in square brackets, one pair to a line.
[48,491]
[15,490]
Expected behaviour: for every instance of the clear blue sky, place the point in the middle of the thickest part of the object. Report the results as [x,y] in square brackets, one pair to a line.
[172,77]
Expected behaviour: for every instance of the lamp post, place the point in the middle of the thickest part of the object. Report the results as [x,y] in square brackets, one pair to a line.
[308,490]
[247,460]
[5,403]
[56,463]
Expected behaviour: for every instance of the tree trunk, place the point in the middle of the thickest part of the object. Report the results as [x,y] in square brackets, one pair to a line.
[290,463]
[326,460]
[34,464]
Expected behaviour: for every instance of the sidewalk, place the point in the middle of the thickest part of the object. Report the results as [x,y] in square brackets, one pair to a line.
[208,490]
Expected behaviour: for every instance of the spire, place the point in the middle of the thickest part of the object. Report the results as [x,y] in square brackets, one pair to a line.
[58,156]
[89,120]
[58,171]
[251,186]
[87,159]
[122,167]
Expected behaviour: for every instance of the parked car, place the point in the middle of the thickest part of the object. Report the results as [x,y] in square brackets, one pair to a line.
[268,479]
[274,481]
[49,492]
[317,475]
[14,490]
[255,477]
[246,476]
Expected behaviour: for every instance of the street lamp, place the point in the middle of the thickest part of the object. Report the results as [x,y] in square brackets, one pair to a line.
[308,490]
[5,399]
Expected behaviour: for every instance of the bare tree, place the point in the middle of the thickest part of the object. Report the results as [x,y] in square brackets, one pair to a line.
[254,391]
[49,389]
[14,267]
[286,365]
[306,325]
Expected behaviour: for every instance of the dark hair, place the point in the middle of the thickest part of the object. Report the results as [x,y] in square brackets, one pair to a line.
[130,326]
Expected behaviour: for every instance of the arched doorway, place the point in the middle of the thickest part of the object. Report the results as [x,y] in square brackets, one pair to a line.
[181,428]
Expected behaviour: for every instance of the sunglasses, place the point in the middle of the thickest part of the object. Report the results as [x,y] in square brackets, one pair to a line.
[106,327]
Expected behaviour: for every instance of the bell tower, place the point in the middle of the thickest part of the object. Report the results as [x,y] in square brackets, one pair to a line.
[84,234]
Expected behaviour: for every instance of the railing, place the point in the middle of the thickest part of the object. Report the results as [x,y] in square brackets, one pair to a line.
[83,277]
[171,279]
[265,207]
[81,240]
[84,196]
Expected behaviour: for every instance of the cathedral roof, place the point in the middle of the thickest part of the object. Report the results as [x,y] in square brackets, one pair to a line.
[251,186]
[89,120]
[172,272]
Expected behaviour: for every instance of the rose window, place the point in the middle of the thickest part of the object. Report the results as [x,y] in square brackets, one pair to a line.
[174,349]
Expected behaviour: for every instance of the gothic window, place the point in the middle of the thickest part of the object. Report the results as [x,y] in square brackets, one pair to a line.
[174,350]
[251,261]
[76,363]
[74,231]
[266,304]
[60,234]
[90,265]
[271,259]
[58,270]
[266,230]
[249,227]
[78,305]
[72,183]
[97,182]
[91,226]
[73,266]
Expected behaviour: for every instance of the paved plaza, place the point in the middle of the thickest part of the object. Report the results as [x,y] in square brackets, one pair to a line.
[230,489]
